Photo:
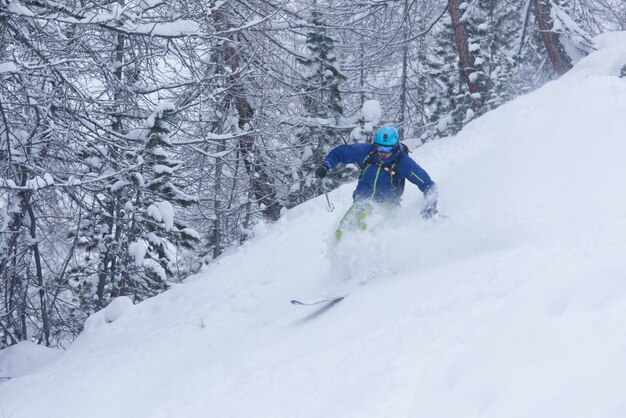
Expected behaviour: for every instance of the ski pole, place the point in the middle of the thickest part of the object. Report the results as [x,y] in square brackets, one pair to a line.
[331,207]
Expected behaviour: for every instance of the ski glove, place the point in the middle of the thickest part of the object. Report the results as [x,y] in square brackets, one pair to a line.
[429,211]
[321,171]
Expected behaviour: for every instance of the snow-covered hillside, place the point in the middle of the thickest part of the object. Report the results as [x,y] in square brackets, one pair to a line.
[514,305]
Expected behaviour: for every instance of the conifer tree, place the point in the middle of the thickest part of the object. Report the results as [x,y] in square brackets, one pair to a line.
[490,27]
[450,106]
[153,230]
[135,257]
[322,103]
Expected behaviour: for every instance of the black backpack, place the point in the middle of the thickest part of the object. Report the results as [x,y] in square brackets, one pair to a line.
[391,166]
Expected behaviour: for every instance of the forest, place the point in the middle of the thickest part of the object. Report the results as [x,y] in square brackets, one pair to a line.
[140,139]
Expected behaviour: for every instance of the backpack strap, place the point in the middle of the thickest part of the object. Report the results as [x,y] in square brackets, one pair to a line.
[394,163]
[392,169]
[391,166]
[368,158]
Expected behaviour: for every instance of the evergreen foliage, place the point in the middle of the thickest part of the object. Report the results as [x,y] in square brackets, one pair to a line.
[322,104]
[492,27]
[131,225]
[321,95]
[154,231]
[509,59]
[452,105]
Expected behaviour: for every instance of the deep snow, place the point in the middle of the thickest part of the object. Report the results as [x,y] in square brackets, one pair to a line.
[514,305]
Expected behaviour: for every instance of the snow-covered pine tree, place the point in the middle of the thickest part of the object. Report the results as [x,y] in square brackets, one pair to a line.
[154,235]
[130,239]
[452,105]
[322,103]
[322,96]
[490,27]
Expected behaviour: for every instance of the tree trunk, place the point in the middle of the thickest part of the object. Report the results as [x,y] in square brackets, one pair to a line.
[460,37]
[16,294]
[261,181]
[217,203]
[45,323]
[262,187]
[404,76]
[106,259]
[109,264]
[558,57]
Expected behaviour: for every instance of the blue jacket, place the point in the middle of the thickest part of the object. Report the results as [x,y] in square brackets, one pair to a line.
[375,180]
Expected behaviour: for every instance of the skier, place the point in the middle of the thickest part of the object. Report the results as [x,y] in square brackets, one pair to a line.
[384,167]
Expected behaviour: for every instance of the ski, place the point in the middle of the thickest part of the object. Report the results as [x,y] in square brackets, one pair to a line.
[330,300]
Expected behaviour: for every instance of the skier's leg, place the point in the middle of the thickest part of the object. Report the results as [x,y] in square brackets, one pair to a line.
[354,219]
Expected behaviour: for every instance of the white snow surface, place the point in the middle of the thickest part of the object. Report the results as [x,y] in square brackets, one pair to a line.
[24,358]
[513,305]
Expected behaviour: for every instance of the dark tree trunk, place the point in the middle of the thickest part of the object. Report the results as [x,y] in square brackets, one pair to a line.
[39,276]
[558,57]
[460,37]
[261,181]
[262,187]
[14,280]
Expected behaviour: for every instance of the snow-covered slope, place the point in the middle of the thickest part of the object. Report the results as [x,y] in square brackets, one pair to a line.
[512,306]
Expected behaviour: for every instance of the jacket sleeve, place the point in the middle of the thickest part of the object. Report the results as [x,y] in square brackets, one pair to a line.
[418,176]
[346,154]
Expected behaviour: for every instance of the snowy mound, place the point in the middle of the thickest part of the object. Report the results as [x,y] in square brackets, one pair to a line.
[24,358]
[511,306]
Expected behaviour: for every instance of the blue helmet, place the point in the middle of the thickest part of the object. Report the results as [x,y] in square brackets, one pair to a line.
[386,135]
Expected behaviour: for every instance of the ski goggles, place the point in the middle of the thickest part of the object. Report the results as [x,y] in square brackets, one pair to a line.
[384,149]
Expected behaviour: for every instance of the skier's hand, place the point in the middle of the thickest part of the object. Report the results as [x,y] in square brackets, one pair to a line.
[429,211]
[321,171]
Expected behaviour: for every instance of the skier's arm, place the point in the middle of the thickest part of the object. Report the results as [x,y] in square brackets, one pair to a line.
[346,154]
[418,176]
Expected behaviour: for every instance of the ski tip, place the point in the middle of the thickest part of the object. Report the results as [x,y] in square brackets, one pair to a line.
[329,300]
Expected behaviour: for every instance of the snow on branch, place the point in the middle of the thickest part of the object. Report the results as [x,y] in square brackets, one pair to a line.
[124,19]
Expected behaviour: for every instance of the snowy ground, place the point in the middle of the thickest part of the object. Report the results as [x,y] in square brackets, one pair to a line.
[512,306]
